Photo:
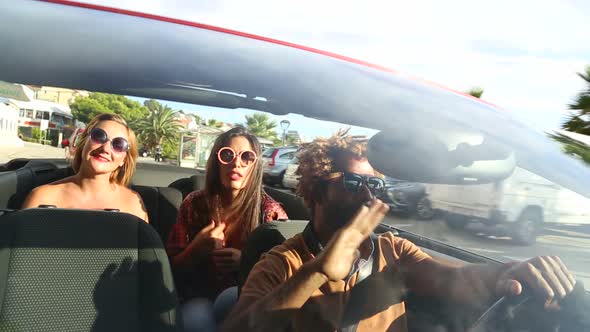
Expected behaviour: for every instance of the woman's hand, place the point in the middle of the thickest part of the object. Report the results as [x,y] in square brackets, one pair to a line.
[209,238]
[227,260]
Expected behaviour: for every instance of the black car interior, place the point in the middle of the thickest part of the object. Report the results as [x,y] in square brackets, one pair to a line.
[312,84]
[162,205]
[22,231]
[80,270]
[17,183]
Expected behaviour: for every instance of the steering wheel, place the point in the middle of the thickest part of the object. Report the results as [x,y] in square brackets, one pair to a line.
[497,313]
[525,313]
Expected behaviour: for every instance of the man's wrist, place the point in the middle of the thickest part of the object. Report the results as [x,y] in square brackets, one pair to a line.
[313,268]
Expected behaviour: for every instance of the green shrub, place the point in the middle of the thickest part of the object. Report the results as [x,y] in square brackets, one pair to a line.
[170,149]
[36,133]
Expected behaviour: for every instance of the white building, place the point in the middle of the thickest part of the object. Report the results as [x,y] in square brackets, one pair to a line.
[9,125]
[56,118]
[53,118]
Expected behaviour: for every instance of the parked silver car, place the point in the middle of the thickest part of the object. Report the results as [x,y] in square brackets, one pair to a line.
[275,163]
[290,179]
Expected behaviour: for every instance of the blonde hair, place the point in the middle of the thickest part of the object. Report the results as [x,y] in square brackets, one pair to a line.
[323,156]
[121,175]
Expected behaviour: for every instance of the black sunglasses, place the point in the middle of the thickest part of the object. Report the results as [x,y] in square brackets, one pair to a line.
[353,182]
[99,136]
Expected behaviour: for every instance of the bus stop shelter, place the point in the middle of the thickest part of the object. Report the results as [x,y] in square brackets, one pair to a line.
[196,145]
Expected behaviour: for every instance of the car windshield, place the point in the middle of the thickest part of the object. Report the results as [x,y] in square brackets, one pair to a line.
[515,216]
[460,172]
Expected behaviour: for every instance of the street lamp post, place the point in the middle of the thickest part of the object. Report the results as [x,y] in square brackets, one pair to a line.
[284,126]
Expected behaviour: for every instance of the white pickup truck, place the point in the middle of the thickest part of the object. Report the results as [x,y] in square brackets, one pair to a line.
[520,204]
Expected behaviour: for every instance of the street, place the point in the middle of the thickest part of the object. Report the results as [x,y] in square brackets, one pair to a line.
[570,242]
[30,150]
[35,150]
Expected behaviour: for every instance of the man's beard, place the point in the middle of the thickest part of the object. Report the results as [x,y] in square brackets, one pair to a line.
[337,215]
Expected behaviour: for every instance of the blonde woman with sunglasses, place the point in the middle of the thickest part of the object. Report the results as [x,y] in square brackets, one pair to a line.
[213,225]
[104,163]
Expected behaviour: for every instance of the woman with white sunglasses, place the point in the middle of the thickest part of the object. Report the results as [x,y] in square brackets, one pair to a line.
[205,244]
[104,163]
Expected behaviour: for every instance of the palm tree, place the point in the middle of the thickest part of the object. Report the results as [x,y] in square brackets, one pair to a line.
[586,75]
[291,140]
[475,92]
[197,118]
[214,123]
[579,120]
[572,146]
[160,126]
[260,125]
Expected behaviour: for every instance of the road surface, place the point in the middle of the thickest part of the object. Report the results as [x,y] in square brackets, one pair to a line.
[34,150]
[30,150]
[570,242]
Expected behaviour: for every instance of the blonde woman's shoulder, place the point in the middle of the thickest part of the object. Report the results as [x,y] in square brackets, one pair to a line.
[134,204]
[48,194]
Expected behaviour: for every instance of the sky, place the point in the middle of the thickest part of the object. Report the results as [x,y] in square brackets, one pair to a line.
[307,128]
[524,54]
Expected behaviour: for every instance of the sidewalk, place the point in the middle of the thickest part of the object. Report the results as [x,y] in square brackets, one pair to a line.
[34,150]
[150,160]
[31,150]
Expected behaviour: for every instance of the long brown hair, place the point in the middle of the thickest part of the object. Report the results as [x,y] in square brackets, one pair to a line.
[121,175]
[246,207]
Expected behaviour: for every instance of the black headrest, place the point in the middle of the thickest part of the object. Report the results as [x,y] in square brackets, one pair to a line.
[190,184]
[162,205]
[72,228]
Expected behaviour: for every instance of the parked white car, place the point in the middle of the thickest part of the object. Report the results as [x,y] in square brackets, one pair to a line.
[521,204]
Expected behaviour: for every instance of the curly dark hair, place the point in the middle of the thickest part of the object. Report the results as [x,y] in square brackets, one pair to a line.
[322,156]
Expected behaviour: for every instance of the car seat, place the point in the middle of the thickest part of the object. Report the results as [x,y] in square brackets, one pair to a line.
[262,239]
[80,270]
[292,204]
[17,184]
[190,184]
[162,205]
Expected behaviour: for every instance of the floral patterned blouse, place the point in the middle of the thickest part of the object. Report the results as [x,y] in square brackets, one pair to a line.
[203,280]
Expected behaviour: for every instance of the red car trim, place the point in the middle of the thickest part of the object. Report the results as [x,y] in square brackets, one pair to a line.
[273,157]
[252,36]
